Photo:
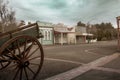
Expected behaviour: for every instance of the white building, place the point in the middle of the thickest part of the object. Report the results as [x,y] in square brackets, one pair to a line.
[63,34]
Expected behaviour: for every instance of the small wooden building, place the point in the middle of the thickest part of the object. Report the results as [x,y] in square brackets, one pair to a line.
[47,30]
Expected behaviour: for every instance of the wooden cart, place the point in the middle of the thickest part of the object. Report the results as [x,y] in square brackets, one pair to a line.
[21,54]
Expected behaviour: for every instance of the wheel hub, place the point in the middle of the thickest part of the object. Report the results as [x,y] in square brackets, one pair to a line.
[24,64]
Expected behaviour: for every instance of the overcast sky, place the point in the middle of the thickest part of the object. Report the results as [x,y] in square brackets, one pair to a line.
[68,12]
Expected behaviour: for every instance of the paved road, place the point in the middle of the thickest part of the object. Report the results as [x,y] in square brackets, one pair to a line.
[60,59]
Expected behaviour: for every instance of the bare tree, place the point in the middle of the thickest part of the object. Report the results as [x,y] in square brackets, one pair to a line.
[7,17]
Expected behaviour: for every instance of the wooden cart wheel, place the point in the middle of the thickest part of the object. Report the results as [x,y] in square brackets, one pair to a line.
[3,62]
[23,56]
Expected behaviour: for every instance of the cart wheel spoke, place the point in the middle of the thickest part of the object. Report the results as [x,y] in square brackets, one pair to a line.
[13,55]
[12,66]
[25,45]
[21,72]
[2,64]
[9,51]
[18,46]
[31,70]
[17,72]
[37,57]
[26,73]
[33,52]
[28,49]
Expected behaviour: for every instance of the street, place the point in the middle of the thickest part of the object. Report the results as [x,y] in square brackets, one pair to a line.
[60,59]
[94,61]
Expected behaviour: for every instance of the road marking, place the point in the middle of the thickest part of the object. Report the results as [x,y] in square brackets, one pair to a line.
[107,69]
[89,51]
[82,69]
[74,62]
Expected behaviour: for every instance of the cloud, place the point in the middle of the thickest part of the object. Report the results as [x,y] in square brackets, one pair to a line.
[67,11]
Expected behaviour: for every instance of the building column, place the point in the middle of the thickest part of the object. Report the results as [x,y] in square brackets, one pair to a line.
[118,28]
[61,38]
[54,39]
[85,39]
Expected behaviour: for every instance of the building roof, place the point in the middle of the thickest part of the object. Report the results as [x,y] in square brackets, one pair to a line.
[44,24]
[63,29]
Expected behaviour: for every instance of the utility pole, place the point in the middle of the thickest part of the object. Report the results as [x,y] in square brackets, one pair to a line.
[118,31]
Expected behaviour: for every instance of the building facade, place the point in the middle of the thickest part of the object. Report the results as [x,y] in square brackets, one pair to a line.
[47,30]
[63,34]
[81,35]
[71,36]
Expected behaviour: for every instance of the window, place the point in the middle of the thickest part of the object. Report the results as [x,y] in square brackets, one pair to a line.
[49,37]
[45,35]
